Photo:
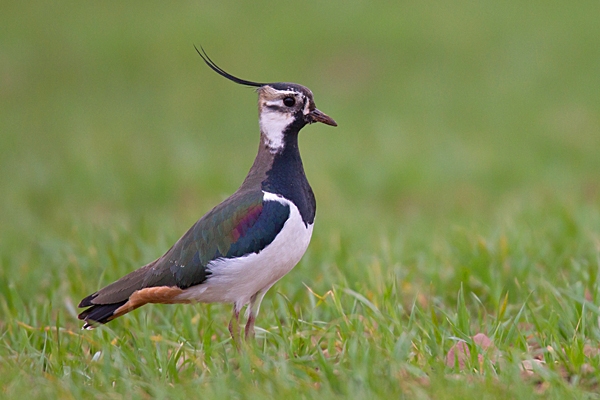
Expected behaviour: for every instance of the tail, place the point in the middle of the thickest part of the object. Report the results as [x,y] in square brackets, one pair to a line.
[97,313]
[107,303]
[149,284]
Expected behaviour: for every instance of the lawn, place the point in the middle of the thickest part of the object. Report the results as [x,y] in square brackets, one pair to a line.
[458,199]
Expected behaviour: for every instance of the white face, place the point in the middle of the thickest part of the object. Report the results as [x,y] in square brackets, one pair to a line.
[272,125]
[278,109]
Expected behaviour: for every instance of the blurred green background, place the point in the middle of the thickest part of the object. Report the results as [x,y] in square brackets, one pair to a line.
[115,137]
[465,167]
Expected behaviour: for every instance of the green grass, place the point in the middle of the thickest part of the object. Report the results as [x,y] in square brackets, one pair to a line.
[459,195]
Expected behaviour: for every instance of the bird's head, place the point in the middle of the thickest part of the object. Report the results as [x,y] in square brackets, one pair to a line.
[283,108]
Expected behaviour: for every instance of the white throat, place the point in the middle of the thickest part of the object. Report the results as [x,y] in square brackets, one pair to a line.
[272,125]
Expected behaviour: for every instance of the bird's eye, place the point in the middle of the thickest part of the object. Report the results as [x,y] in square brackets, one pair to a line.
[289,101]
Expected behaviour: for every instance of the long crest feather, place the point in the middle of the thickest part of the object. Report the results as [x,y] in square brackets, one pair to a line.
[221,72]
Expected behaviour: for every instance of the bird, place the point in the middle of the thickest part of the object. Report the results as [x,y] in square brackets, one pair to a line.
[238,250]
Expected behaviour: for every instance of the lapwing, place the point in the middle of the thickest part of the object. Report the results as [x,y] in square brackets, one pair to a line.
[239,249]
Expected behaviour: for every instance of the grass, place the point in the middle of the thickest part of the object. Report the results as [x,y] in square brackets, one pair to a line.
[459,195]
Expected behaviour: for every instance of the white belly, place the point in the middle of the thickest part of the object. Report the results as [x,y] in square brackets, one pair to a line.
[237,280]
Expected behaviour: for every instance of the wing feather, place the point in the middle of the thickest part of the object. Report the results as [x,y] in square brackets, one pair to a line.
[241,225]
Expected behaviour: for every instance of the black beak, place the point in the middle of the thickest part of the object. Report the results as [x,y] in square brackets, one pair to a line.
[317,116]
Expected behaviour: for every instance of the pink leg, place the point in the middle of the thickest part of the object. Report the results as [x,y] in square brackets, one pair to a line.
[252,312]
[234,325]
[249,334]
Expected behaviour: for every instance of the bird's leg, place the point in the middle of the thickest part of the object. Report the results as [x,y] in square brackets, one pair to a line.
[249,331]
[234,326]
[252,312]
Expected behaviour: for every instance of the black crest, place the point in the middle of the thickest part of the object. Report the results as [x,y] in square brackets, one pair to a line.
[221,72]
